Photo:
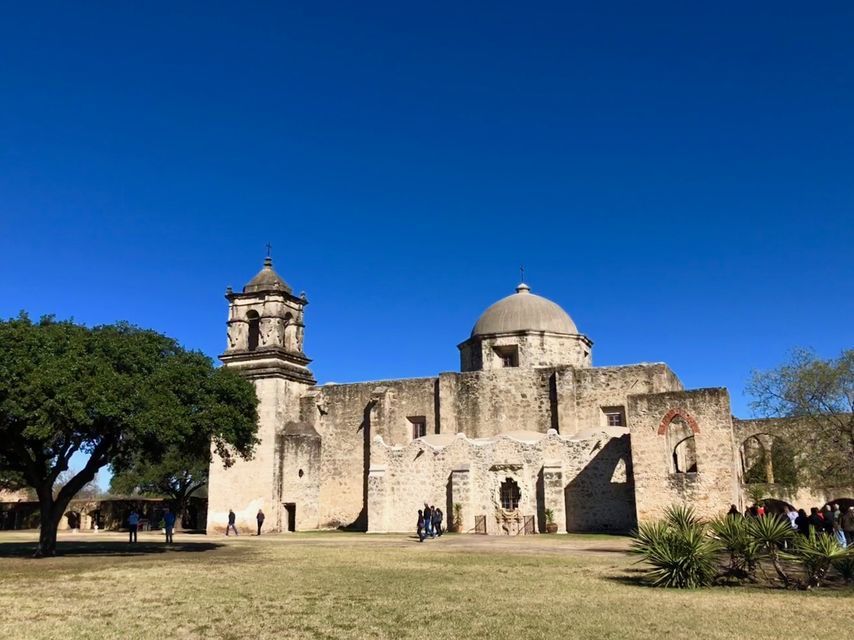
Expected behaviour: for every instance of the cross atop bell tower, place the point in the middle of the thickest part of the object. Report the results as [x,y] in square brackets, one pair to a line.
[265,328]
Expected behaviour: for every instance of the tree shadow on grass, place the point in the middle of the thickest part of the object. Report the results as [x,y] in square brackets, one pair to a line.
[72,549]
[632,578]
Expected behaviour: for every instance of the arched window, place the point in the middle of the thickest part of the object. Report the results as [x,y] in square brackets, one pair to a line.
[767,459]
[685,456]
[679,427]
[254,329]
[510,495]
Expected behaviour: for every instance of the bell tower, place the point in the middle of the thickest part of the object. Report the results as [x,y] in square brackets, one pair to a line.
[265,329]
[265,345]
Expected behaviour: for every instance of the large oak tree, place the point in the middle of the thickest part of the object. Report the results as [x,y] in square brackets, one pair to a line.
[116,393]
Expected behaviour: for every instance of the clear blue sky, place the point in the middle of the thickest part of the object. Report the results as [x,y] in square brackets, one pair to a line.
[680,180]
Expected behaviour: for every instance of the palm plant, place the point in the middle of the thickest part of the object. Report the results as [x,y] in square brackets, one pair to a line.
[680,516]
[771,534]
[733,535]
[817,554]
[678,549]
[458,517]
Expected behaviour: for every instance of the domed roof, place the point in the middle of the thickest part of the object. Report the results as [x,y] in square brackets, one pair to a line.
[266,280]
[524,311]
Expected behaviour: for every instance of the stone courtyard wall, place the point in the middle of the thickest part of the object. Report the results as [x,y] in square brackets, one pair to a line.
[585,482]
[790,431]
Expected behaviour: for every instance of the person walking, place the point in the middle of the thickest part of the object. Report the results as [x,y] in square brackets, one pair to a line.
[133,525]
[848,525]
[259,517]
[828,519]
[817,524]
[803,523]
[168,524]
[231,520]
[836,523]
[437,521]
[428,521]
[420,526]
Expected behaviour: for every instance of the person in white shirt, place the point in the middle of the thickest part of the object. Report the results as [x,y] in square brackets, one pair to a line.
[133,524]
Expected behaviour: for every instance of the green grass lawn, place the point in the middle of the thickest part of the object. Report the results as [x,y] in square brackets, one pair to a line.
[338,585]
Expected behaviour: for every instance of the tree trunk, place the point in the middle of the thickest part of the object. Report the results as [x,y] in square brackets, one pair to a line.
[51,514]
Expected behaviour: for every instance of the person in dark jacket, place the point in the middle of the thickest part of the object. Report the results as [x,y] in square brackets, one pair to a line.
[420,526]
[428,521]
[848,525]
[828,519]
[437,521]
[733,511]
[231,523]
[259,518]
[802,522]
[816,521]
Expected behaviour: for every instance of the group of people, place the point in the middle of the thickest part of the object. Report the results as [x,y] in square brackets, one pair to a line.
[830,521]
[429,522]
[232,519]
[168,525]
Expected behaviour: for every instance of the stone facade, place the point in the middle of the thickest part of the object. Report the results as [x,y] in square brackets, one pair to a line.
[527,425]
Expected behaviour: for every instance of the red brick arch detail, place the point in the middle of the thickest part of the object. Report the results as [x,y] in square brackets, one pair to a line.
[677,411]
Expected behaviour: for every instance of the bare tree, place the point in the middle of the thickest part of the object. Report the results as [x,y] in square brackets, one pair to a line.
[819,394]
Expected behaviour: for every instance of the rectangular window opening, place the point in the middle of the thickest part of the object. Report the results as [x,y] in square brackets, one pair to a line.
[509,355]
[419,426]
[614,416]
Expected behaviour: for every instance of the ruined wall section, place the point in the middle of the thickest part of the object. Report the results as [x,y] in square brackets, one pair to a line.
[714,485]
[790,431]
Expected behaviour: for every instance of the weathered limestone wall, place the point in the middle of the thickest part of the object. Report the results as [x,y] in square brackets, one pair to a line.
[347,416]
[249,485]
[485,403]
[583,480]
[300,477]
[584,393]
[715,484]
[480,404]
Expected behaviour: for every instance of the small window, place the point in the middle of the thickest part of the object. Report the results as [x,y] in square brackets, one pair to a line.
[614,416]
[510,495]
[509,355]
[419,426]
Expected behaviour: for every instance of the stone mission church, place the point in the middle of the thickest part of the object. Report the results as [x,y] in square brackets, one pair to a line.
[529,424]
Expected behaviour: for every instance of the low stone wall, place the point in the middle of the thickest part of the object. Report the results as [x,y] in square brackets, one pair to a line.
[585,482]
